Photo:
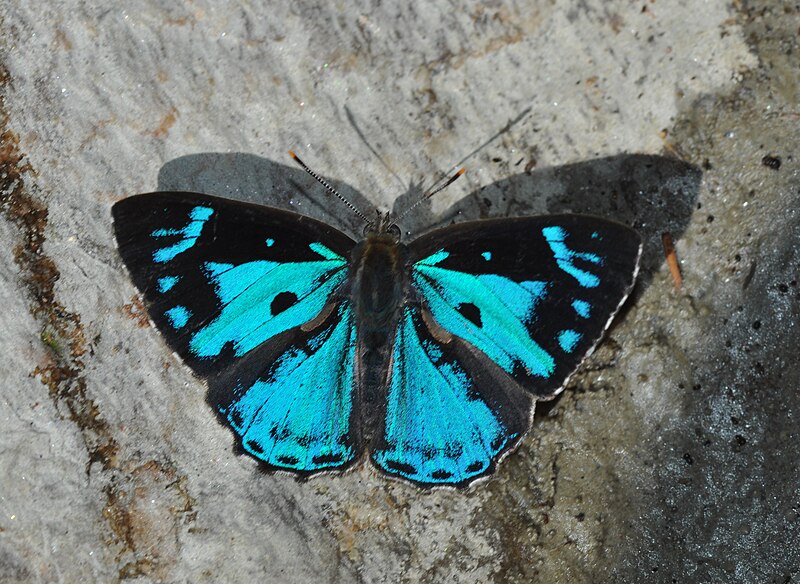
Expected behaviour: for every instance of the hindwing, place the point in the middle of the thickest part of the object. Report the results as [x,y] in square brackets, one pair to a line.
[449,417]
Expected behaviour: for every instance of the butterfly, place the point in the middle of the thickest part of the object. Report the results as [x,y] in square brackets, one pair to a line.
[426,357]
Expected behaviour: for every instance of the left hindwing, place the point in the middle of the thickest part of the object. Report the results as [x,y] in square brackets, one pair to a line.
[533,294]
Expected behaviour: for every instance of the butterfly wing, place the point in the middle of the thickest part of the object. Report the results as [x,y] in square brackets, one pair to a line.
[494,305]
[252,298]
[298,411]
[533,294]
[448,416]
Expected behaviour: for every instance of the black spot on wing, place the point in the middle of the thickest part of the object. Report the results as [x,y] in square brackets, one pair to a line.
[236,419]
[255,446]
[401,467]
[475,467]
[498,442]
[471,312]
[281,302]
[290,460]
[327,459]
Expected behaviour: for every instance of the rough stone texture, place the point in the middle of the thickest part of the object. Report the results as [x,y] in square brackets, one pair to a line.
[673,456]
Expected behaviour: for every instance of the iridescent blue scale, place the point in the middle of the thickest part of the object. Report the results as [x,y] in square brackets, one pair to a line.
[504,306]
[425,358]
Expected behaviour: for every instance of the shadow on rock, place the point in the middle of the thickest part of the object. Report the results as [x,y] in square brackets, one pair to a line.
[653,194]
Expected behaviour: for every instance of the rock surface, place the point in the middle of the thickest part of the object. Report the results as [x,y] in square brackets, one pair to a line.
[673,455]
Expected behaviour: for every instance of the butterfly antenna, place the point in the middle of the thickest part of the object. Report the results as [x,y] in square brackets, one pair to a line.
[432,191]
[329,188]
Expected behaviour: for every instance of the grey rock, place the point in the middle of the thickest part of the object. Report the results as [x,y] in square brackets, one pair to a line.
[671,457]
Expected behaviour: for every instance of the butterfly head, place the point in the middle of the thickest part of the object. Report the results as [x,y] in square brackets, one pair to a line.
[382,228]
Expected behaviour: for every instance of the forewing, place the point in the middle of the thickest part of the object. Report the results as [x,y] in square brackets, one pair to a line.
[450,416]
[533,294]
[221,277]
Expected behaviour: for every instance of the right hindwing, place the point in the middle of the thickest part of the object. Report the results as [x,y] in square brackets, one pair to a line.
[449,416]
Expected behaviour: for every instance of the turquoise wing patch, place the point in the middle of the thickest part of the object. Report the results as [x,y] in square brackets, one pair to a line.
[297,415]
[259,300]
[447,420]
[488,310]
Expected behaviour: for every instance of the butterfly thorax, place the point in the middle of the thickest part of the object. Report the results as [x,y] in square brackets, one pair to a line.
[380,286]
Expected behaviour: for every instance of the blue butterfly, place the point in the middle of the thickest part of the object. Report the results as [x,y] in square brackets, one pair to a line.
[427,357]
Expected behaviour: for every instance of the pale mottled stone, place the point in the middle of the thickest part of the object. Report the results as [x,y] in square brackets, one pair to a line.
[632,474]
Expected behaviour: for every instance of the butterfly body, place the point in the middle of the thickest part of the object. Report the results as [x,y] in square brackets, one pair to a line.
[380,262]
[378,292]
[425,356]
